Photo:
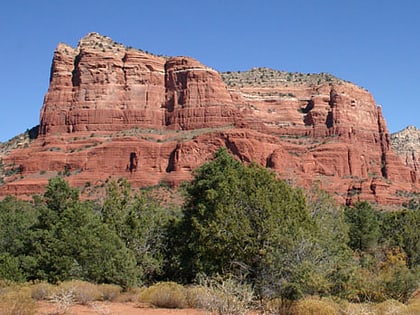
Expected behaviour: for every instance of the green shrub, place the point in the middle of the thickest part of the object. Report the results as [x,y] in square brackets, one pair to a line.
[165,295]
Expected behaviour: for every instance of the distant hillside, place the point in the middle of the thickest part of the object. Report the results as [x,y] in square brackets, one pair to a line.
[20,141]
[406,143]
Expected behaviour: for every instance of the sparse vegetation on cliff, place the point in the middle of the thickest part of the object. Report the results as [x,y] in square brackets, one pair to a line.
[267,77]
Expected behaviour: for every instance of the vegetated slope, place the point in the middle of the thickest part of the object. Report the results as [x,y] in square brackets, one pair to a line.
[114,111]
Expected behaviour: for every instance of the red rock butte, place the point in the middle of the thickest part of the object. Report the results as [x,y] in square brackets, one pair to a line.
[113,111]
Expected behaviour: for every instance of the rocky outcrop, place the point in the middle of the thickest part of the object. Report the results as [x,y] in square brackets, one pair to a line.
[113,111]
[196,96]
[104,86]
[406,143]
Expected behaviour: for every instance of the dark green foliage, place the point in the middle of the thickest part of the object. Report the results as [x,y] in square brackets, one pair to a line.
[10,269]
[363,226]
[33,132]
[71,242]
[402,229]
[241,220]
[16,219]
[140,222]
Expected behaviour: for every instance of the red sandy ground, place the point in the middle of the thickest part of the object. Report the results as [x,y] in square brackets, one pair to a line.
[114,308]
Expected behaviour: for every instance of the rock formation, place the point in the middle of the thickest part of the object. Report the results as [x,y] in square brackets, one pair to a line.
[113,111]
[406,143]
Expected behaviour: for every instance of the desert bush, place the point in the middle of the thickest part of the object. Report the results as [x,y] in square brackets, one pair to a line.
[17,301]
[63,299]
[195,295]
[223,296]
[83,292]
[165,294]
[42,290]
[313,305]
[109,292]
[131,295]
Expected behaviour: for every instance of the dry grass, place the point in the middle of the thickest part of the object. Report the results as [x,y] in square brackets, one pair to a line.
[413,307]
[314,305]
[390,307]
[17,301]
[218,296]
[132,295]
[109,292]
[277,307]
[83,292]
[165,295]
[222,296]
[42,291]
[195,296]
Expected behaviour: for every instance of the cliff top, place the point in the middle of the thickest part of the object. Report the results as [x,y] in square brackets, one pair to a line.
[267,76]
[259,76]
[100,43]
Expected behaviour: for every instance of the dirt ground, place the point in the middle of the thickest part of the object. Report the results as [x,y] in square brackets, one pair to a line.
[114,308]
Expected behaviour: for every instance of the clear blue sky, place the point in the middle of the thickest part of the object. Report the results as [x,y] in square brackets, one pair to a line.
[373,43]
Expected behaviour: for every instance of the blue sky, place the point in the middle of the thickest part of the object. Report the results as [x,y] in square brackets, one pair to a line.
[373,43]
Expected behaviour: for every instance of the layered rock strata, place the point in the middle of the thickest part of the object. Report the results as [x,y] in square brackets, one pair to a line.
[113,111]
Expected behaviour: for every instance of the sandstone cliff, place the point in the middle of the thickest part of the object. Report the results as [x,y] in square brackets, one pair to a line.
[113,111]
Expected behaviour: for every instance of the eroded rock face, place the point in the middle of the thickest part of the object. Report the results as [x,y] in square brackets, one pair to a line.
[196,96]
[103,86]
[116,112]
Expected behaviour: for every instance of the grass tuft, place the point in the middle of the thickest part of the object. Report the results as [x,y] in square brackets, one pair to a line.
[313,305]
[165,295]
[83,292]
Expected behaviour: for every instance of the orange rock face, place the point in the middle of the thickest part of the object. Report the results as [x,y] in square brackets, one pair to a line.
[112,111]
